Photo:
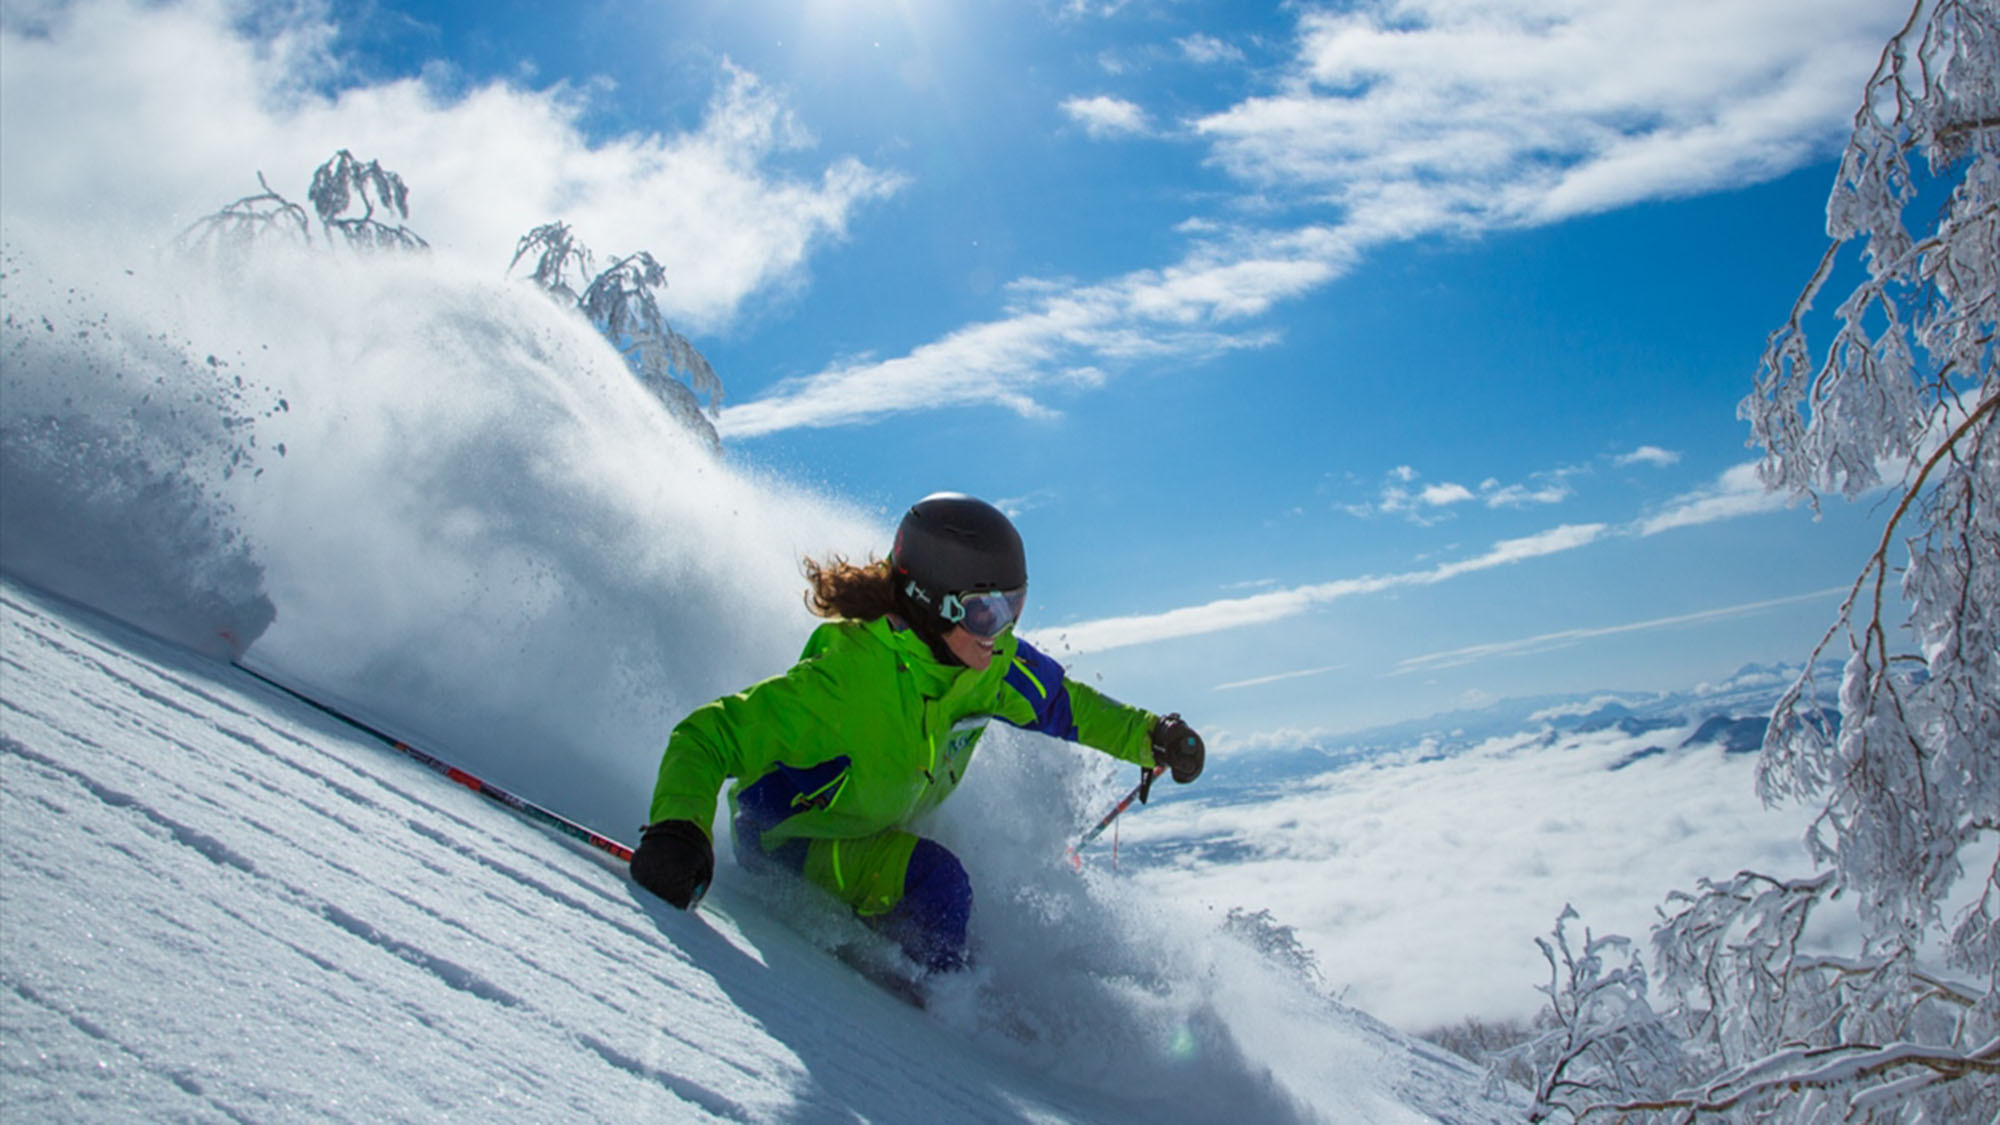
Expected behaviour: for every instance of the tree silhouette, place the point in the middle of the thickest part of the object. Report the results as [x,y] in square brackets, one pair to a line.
[343,182]
[243,223]
[621,302]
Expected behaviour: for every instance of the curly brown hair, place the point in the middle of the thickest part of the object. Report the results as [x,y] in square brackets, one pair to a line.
[857,591]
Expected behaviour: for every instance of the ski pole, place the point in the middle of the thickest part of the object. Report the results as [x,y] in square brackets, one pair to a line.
[1076,849]
[484,788]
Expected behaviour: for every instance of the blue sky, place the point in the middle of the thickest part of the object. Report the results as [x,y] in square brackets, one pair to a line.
[1341,363]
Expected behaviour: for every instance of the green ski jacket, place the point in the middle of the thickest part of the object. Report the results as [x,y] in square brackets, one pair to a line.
[872,692]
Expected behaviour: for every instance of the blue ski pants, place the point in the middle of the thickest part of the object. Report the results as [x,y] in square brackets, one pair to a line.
[910,889]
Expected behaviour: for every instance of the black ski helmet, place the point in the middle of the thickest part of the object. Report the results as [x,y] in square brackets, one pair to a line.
[951,543]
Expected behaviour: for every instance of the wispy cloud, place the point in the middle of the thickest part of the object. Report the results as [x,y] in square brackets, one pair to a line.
[1444,495]
[1427,114]
[1207,49]
[1737,492]
[1546,641]
[1647,455]
[1401,495]
[100,89]
[1496,495]
[1103,116]
[1092,9]
[1017,506]
[1259,681]
[1059,335]
[1277,605]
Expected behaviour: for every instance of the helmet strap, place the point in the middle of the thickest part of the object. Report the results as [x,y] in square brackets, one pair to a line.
[920,614]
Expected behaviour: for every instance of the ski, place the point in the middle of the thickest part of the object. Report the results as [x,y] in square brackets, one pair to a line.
[872,967]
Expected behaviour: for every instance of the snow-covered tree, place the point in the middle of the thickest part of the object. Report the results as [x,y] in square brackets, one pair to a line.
[1907,395]
[343,182]
[620,301]
[1906,771]
[243,223]
[338,186]
[1599,1038]
[558,256]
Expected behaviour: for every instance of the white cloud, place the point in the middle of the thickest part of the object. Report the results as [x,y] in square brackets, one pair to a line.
[1059,335]
[1648,455]
[1103,116]
[1421,880]
[1017,506]
[1206,49]
[1277,605]
[1428,504]
[1555,540]
[1444,495]
[1281,676]
[1560,638]
[1496,495]
[1582,707]
[1739,491]
[1427,114]
[104,121]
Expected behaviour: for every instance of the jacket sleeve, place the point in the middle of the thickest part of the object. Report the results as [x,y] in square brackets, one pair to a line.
[1038,696]
[782,719]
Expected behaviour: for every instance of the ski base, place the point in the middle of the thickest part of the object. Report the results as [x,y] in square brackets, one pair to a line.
[869,965]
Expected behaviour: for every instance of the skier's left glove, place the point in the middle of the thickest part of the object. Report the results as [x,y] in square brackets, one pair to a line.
[675,861]
[1177,747]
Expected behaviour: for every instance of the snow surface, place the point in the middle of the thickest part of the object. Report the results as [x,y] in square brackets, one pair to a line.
[219,904]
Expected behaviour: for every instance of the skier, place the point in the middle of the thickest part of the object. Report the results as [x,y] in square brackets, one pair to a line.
[876,724]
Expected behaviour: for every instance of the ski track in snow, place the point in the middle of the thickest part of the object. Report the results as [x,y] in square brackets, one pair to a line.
[219,905]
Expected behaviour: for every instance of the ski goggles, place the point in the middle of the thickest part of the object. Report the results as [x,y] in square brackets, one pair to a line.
[985,614]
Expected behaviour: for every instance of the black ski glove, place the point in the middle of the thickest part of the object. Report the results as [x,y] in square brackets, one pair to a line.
[675,861]
[1179,748]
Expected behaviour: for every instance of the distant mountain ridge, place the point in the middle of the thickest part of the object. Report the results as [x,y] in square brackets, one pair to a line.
[1733,714]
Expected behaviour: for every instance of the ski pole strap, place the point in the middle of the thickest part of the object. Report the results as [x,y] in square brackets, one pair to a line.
[484,788]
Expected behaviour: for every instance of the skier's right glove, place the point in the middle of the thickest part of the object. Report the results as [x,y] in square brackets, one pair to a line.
[1177,747]
[675,861]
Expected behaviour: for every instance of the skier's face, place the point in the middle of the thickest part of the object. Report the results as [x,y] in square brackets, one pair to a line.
[974,651]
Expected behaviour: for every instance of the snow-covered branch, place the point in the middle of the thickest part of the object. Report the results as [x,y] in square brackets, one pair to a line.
[620,301]
[1907,387]
[1790,1073]
[241,224]
[1599,1036]
[342,182]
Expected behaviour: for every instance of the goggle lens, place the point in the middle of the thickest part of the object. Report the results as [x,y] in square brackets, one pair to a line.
[988,613]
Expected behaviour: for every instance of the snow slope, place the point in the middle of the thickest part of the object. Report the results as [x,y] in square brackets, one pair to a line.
[218,904]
